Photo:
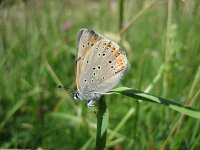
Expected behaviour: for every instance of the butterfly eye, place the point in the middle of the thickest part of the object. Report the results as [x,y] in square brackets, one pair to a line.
[76,95]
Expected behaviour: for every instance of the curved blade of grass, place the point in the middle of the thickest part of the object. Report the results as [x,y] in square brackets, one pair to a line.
[102,124]
[155,99]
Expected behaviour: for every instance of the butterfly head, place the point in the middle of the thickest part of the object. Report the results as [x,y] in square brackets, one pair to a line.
[76,95]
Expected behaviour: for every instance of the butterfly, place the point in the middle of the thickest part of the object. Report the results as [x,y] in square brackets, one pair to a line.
[100,65]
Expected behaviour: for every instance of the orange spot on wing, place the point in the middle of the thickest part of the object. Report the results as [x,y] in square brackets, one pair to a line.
[118,55]
[109,46]
[93,40]
[120,61]
[113,49]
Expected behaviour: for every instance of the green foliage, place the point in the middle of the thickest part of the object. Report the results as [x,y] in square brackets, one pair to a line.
[37,53]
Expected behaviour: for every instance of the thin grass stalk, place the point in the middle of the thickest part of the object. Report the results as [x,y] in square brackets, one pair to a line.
[190,102]
[167,45]
[128,24]
[136,119]
[122,123]
[121,13]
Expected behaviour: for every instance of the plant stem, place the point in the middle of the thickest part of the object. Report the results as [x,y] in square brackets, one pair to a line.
[102,124]
[121,14]
[167,46]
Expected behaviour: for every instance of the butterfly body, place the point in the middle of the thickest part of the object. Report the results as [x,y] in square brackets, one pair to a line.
[101,64]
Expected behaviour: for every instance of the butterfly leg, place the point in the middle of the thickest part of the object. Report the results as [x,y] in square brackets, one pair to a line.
[92,107]
[78,59]
[107,93]
[90,103]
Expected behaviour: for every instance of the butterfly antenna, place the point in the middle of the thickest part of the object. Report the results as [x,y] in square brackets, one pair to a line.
[68,90]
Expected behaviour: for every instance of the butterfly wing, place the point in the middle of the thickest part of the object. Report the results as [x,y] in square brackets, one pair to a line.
[102,69]
[86,39]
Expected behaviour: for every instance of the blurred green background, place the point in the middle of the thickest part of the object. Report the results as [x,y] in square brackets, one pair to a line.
[37,53]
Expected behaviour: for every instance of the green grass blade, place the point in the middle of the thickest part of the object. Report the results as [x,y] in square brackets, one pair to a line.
[155,99]
[121,123]
[17,106]
[102,124]
[11,112]
[87,144]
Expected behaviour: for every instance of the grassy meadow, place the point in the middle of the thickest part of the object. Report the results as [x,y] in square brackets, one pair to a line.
[37,53]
